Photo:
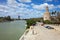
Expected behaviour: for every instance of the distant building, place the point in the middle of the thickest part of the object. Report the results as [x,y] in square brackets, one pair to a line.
[18,17]
[47,14]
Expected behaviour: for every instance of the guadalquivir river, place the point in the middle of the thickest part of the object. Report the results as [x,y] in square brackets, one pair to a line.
[12,30]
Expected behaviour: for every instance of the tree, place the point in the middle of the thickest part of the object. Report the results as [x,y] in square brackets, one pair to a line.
[30,22]
[47,22]
[8,18]
[54,13]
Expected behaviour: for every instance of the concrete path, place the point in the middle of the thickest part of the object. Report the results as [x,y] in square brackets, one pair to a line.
[42,33]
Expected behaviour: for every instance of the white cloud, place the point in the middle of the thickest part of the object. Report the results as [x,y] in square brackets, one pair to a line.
[23,5]
[10,2]
[42,6]
[15,4]
[19,9]
[48,0]
[25,1]
[58,6]
[4,8]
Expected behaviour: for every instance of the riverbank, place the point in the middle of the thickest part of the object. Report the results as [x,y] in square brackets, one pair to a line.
[6,19]
[39,32]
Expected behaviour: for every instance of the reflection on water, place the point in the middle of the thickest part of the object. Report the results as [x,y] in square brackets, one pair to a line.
[12,30]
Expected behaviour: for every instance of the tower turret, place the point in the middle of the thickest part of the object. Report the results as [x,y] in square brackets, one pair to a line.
[47,10]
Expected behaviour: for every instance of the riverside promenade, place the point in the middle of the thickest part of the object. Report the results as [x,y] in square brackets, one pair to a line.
[39,32]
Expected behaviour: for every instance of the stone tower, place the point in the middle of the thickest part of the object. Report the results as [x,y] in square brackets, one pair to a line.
[47,14]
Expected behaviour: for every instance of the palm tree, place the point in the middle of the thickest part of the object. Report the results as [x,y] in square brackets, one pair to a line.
[53,13]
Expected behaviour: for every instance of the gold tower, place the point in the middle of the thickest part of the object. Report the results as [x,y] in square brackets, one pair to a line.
[47,14]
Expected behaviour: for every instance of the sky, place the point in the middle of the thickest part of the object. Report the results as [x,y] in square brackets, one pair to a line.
[27,8]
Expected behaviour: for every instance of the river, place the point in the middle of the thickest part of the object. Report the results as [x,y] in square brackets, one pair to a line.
[12,30]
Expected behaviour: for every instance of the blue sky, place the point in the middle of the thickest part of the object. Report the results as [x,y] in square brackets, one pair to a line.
[27,8]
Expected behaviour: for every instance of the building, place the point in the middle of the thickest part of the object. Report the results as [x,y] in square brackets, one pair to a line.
[47,14]
[18,17]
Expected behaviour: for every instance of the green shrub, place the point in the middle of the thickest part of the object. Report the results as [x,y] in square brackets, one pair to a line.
[30,22]
[47,22]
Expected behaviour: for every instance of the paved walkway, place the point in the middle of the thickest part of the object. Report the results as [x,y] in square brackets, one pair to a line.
[42,33]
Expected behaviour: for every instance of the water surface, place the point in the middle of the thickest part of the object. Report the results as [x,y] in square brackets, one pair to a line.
[12,30]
